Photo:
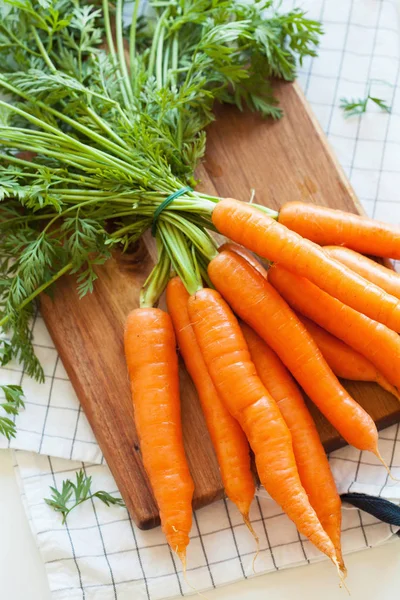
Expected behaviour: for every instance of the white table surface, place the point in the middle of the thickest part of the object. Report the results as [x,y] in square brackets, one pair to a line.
[373,574]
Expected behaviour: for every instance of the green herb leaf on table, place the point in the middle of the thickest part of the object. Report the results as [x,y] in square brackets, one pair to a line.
[12,405]
[358,107]
[72,494]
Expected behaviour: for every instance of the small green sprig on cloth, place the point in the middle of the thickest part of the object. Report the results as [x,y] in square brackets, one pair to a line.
[12,405]
[359,106]
[73,494]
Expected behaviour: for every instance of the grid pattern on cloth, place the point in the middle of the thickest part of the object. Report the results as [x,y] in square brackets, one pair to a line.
[53,421]
[100,554]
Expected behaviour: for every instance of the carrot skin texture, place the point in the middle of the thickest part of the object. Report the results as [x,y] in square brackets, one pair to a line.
[229,440]
[228,360]
[258,232]
[150,350]
[387,279]
[328,226]
[380,345]
[312,462]
[261,307]
[344,361]
[246,254]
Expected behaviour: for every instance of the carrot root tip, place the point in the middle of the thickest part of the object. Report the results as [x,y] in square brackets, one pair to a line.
[342,572]
[256,538]
[379,456]
[182,556]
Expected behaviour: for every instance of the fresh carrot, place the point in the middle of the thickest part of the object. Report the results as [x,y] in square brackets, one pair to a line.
[249,226]
[228,360]
[150,350]
[229,440]
[312,462]
[380,345]
[387,279]
[246,254]
[344,361]
[261,307]
[327,226]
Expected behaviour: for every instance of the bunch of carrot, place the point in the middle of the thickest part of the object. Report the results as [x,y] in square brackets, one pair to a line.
[319,313]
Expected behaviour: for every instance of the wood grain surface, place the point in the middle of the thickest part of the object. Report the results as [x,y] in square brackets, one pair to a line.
[287,160]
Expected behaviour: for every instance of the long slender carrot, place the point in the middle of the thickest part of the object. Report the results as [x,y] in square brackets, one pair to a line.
[380,345]
[344,361]
[150,350]
[228,360]
[261,307]
[312,462]
[327,226]
[387,279]
[258,232]
[229,440]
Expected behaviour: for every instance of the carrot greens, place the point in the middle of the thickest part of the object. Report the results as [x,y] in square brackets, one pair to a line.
[91,142]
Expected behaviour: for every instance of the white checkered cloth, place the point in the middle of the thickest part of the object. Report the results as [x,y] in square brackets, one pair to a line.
[100,554]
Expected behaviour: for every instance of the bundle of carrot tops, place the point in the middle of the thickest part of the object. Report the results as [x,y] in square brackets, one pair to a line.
[99,143]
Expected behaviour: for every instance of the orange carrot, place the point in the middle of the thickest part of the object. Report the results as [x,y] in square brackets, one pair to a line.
[261,307]
[246,254]
[312,462]
[249,226]
[230,443]
[228,360]
[344,361]
[150,350]
[380,345]
[387,279]
[328,226]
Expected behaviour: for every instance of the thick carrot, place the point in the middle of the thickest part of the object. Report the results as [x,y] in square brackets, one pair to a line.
[150,350]
[261,307]
[246,254]
[312,462]
[387,279]
[228,360]
[258,232]
[229,440]
[328,226]
[380,345]
[344,361]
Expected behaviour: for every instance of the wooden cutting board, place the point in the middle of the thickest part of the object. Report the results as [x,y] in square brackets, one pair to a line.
[287,160]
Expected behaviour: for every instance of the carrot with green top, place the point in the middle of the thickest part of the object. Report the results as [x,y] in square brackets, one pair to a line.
[230,443]
[254,229]
[380,345]
[150,351]
[311,460]
[260,306]
[328,226]
[234,375]
[387,279]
